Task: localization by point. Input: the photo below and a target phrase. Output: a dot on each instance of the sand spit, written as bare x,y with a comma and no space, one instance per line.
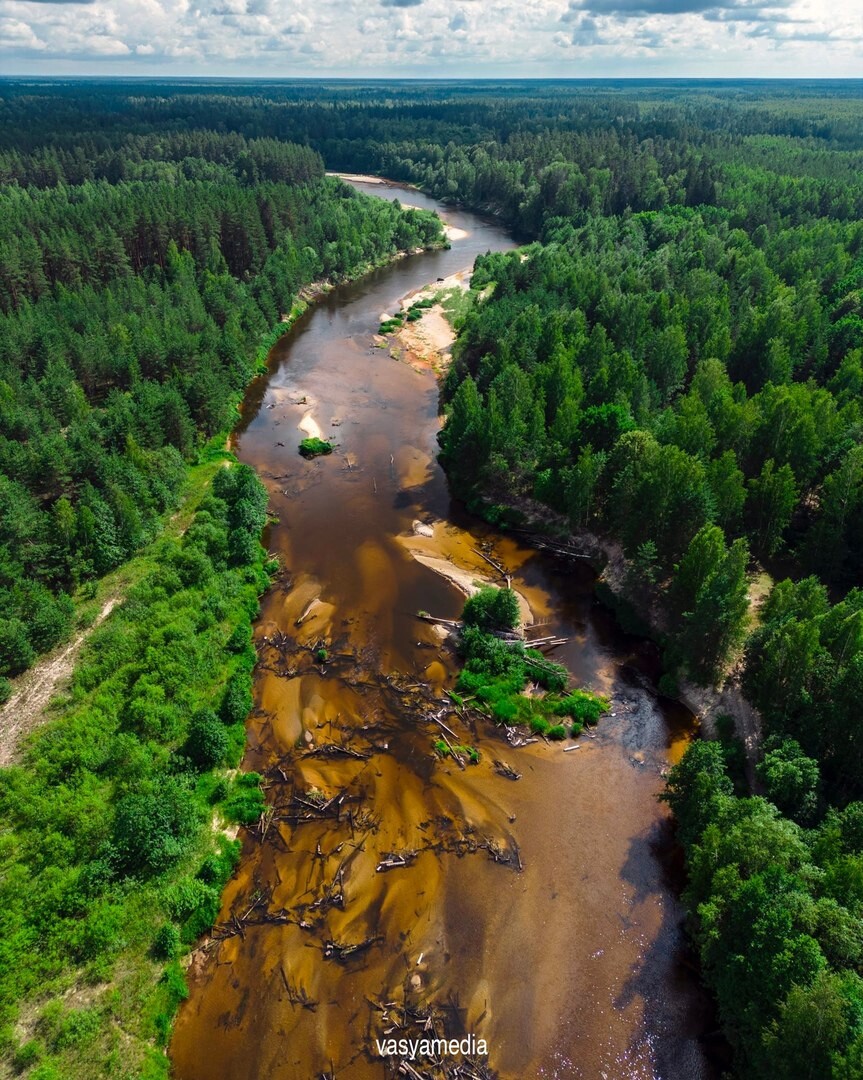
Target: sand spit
444,550
428,342
360,178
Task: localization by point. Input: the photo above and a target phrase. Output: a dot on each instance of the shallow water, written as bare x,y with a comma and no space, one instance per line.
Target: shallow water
573,965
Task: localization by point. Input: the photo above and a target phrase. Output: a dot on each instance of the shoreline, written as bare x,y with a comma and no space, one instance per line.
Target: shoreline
364,178
427,343
308,705
33,689
432,351
451,232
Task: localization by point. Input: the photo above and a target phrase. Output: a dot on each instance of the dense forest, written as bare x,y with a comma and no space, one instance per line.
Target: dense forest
130,315
137,301
673,362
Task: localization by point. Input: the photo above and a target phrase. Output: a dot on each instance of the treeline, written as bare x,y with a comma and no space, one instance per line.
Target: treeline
676,362
77,156
525,151
775,882
130,316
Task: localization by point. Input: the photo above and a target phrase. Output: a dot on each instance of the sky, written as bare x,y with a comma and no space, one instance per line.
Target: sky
434,38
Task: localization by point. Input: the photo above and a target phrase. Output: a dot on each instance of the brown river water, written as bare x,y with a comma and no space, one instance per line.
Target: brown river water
565,952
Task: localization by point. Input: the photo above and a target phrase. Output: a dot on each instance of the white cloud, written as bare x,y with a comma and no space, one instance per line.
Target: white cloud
16,34
435,37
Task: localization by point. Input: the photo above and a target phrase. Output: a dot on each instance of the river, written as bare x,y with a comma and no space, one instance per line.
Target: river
574,965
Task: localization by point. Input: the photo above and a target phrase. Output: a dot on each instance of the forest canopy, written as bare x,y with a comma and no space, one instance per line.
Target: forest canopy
133,302
683,332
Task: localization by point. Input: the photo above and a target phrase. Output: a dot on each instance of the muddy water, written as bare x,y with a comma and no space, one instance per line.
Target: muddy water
536,914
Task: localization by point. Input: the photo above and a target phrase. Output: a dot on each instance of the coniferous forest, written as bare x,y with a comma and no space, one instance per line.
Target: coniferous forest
673,362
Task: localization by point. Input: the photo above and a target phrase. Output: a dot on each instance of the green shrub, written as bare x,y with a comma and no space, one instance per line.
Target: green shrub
5,690
246,803
166,943
237,700
153,828
100,934
186,897
174,981
485,652
46,1071
27,1055
505,711
240,638
217,868
207,743
220,790
556,731
395,322
492,609
16,652
76,1028
551,676
583,706
470,752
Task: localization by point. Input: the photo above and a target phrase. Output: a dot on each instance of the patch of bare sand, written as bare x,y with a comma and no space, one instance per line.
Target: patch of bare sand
309,425
360,178
25,709
465,581
449,553
709,703
428,341
459,280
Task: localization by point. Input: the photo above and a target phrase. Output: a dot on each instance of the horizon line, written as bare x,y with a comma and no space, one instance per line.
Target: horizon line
587,79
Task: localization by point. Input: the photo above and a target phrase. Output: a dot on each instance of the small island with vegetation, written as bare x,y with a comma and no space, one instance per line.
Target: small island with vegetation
500,667
312,448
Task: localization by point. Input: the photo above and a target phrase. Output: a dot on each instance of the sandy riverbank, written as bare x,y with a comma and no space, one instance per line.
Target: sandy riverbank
427,343
451,232
361,178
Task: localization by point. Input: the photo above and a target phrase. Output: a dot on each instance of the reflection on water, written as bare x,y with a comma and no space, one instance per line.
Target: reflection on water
536,914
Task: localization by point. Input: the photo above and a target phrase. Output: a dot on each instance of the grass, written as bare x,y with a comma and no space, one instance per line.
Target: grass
276,333
314,447
410,314
91,946
456,303
464,751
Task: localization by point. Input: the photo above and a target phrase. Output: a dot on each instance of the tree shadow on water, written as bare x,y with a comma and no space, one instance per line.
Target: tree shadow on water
680,1024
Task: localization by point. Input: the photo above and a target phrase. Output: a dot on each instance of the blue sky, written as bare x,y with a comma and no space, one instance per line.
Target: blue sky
434,38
